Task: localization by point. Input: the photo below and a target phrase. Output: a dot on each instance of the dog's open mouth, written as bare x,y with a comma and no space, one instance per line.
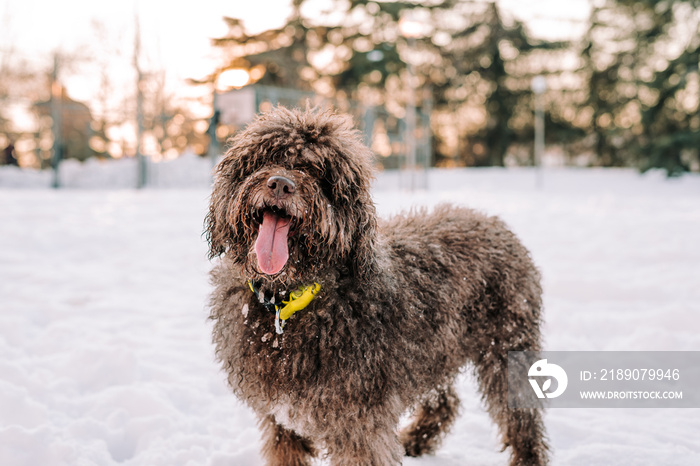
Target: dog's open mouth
271,245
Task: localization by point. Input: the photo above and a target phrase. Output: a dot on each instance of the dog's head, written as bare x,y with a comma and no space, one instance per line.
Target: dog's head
291,198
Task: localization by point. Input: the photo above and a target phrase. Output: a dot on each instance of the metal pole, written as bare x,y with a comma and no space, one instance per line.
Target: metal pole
427,134
539,86
56,95
411,123
213,151
539,136
141,160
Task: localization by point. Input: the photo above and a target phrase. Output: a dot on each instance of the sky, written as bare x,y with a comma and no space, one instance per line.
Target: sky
176,36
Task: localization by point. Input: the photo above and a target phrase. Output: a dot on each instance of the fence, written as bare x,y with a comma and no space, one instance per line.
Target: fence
391,138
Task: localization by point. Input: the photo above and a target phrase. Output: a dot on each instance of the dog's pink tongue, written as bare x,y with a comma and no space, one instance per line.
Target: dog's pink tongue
271,245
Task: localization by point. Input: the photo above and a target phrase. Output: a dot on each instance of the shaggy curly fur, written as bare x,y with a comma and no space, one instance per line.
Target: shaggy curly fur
405,304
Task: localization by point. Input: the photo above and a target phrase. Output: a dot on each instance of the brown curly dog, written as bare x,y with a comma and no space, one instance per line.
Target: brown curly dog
403,306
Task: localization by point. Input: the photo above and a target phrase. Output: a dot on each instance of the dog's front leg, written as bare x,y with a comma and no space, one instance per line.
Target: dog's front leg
283,447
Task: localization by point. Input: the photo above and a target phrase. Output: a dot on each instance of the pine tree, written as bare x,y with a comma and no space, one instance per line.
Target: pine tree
643,79
467,57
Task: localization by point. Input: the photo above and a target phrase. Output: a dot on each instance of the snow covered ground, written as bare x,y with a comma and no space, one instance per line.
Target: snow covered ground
105,354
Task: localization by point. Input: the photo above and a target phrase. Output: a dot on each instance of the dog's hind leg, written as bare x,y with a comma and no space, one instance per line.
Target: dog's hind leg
432,420
282,447
521,429
370,439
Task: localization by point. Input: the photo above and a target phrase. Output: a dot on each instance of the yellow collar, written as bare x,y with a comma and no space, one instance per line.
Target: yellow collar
297,301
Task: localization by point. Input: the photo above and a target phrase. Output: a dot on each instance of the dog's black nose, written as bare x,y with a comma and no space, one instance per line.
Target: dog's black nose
281,186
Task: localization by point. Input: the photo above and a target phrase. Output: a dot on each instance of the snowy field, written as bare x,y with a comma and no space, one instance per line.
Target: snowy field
105,353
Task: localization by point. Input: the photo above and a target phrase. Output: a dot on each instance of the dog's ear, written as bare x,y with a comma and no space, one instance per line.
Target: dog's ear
215,224
352,185
363,255
217,227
